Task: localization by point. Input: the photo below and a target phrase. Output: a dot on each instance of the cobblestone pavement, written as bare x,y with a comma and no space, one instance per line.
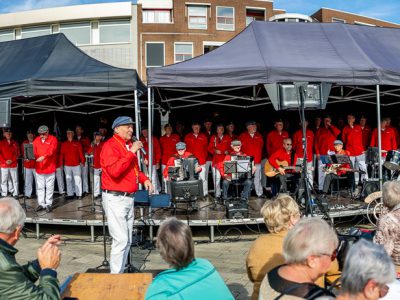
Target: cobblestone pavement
79,255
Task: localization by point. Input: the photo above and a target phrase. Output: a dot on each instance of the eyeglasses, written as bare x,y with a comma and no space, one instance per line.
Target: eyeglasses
383,290
333,255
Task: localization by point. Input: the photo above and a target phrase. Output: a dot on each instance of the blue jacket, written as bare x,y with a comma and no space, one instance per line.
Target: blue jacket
198,281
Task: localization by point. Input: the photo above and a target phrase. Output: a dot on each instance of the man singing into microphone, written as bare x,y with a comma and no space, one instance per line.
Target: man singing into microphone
120,180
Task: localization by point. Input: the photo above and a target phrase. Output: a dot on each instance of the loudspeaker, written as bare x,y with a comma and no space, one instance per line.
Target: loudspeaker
5,112
370,186
237,210
285,95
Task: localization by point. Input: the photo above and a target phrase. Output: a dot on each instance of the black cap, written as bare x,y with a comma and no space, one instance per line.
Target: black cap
250,122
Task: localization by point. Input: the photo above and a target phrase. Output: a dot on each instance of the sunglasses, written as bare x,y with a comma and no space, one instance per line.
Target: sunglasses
288,144
332,256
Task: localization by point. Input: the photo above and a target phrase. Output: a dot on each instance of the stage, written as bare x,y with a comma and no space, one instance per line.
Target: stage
82,213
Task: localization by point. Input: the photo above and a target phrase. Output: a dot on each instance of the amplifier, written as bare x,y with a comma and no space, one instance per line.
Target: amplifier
237,210
370,186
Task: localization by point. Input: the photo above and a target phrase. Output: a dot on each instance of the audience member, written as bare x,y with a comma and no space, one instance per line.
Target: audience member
189,277
309,249
16,281
367,272
266,252
388,227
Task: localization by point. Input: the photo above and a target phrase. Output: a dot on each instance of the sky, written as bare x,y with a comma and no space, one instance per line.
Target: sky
381,9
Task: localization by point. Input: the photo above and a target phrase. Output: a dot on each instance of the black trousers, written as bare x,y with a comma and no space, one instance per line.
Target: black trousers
283,179
329,177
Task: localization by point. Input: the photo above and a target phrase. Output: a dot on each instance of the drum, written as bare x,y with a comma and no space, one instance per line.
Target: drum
392,160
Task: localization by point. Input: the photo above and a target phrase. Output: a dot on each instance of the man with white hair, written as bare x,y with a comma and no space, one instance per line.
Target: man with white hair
367,272
16,281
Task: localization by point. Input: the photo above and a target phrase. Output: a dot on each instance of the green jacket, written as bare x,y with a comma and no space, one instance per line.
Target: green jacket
17,282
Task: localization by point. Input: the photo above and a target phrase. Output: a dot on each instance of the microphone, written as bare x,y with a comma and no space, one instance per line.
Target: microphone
141,149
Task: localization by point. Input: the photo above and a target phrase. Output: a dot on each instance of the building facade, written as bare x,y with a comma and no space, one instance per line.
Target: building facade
107,31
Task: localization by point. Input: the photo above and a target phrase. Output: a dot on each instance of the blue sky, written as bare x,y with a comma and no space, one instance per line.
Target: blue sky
381,9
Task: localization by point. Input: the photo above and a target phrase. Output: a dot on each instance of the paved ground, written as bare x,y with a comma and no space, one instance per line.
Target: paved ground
79,255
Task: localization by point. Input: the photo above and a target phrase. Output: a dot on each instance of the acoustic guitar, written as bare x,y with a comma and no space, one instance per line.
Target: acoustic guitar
271,171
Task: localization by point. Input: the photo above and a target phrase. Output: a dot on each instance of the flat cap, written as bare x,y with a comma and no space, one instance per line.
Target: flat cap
7,130
236,143
96,133
43,129
338,142
180,146
251,122
123,120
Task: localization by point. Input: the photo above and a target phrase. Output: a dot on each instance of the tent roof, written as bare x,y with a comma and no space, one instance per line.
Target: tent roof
52,65
269,52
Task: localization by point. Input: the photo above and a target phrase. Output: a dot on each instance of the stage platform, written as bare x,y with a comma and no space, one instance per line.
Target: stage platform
82,213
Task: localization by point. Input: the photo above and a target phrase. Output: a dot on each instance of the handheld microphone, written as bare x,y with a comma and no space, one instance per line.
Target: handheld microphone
141,149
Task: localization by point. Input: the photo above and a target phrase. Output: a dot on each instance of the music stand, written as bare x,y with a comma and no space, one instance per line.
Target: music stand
28,155
235,169
340,159
90,162
326,159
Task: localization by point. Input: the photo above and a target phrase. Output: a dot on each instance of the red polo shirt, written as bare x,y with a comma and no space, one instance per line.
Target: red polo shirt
298,143
71,154
29,164
388,139
120,168
324,139
9,150
85,141
222,144
197,146
283,155
156,149
252,146
275,141
95,149
168,146
48,149
353,139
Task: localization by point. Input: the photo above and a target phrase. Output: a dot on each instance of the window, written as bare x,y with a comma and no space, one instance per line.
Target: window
183,51
225,18
115,31
155,54
253,14
6,35
197,17
210,46
336,20
77,33
157,16
29,32
362,23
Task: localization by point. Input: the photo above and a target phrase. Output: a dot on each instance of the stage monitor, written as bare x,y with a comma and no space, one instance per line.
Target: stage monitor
285,95
186,189
5,112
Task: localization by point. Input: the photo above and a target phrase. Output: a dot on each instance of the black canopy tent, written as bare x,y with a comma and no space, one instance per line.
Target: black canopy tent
351,57
49,73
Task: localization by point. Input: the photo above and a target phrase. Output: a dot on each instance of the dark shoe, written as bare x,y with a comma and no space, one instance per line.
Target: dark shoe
39,208
263,196
28,197
49,208
16,197
70,197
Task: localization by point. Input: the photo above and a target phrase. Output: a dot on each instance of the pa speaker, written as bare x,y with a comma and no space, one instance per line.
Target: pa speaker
286,95
5,112
370,186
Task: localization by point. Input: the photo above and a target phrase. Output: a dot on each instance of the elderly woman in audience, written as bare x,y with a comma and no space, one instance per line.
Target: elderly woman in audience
367,272
266,252
309,249
388,227
189,277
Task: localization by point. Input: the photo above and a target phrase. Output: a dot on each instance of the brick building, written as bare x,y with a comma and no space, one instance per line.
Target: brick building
171,31
328,15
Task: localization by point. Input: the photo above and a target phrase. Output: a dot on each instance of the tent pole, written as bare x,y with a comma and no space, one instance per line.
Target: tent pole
150,133
137,134
378,111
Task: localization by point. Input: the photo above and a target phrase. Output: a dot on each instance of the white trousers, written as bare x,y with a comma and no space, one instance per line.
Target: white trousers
207,170
154,180
85,184
321,175
217,182
60,180
310,173
30,178
97,183
6,174
73,179
359,163
202,176
120,213
45,188
257,180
